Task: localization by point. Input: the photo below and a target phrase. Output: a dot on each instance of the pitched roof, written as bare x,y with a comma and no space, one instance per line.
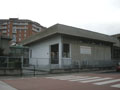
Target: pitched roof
68,30
116,35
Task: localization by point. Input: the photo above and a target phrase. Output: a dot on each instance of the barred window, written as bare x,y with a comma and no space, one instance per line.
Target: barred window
66,50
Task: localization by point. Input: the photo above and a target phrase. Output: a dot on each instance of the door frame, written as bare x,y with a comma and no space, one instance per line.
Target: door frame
50,58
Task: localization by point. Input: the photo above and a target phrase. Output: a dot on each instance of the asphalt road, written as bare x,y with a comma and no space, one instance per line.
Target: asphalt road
76,81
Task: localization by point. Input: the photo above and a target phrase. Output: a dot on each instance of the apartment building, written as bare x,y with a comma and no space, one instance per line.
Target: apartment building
19,29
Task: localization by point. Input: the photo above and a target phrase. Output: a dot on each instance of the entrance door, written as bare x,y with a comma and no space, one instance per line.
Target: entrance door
55,54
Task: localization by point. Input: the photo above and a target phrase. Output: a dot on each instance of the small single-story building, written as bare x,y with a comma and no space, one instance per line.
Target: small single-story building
62,46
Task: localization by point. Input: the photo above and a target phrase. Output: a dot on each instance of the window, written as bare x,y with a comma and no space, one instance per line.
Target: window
55,54
8,34
19,39
30,53
14,30
19,35
66,50
14,37
25,35
25,31
116,53
4,31
8,30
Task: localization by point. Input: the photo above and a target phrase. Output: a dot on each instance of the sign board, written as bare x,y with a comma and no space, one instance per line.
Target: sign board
85,50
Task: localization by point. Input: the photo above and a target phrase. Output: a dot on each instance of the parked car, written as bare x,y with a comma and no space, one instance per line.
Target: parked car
118,67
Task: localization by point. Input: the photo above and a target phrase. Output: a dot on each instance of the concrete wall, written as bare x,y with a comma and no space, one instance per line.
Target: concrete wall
98,52
41,50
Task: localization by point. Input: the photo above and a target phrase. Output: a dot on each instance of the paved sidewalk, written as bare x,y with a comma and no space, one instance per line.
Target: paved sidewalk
4,86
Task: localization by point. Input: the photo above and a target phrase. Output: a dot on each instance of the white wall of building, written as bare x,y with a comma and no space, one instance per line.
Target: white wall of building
41,50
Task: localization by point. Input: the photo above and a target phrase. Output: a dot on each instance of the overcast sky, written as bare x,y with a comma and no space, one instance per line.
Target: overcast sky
97,15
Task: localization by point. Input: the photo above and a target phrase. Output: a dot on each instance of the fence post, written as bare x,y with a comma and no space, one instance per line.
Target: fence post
21,67
34,70
5,70
49,66
21,72
21,61
7,59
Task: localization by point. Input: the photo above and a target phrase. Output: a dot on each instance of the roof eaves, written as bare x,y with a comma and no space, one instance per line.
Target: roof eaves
48,32
85,33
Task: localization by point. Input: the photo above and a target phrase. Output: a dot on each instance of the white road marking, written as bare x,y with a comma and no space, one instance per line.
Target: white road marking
72,78
57,77
116,86
84,79
67,77
107,82
100,79
88,79
64,78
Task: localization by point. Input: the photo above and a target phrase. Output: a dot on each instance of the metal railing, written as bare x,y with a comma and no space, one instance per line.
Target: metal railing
17,66
13,62
40,63
36,66
70,63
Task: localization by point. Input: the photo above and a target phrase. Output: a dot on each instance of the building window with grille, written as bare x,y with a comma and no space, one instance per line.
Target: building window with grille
8,34
19,39
14,37
25,31
66,50
8,30
25,35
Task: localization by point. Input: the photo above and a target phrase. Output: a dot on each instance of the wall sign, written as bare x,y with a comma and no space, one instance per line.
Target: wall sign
85,50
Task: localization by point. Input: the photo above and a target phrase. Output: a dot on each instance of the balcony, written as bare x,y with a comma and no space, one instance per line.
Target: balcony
14,31
24,28
5,23
21,24
4,31
3,27
35,26
34,29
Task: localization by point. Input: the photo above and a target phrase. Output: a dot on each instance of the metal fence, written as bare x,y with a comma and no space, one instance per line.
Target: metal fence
13,62
10,62
68,63
40,63
87,64
25,71
92,64
37,66
22,66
